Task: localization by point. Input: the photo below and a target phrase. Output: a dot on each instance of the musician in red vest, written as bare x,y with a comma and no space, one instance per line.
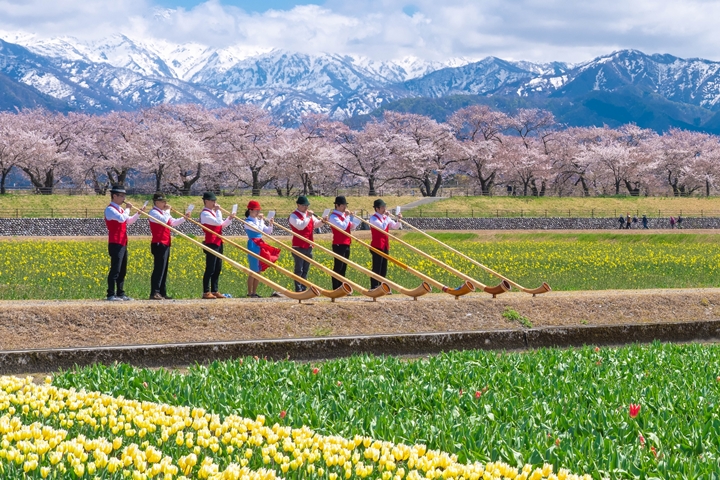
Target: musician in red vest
380,240
160,244
342,219
212,218
303,222
117,219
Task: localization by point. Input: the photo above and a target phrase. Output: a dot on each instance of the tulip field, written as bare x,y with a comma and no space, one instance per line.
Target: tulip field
633,412
72,269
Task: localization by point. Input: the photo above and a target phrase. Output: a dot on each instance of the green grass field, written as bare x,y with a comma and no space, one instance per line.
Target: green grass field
13,205
567,407
72,269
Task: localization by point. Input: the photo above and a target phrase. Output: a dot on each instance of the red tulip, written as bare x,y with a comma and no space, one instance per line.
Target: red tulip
282,414
642,441
461,392
557,442
145,384
597,349
339,383
634,410
315,371
478,394
654,452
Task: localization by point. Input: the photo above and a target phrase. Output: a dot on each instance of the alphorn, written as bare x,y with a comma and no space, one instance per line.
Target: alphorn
503,287
342,291
534,291
311,292
463,289
417,292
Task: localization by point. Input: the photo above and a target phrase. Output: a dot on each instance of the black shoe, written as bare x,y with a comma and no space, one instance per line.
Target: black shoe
276,295
167,297
156,296
124,298
113,298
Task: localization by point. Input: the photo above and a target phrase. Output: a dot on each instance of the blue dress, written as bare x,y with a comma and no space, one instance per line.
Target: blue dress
254,263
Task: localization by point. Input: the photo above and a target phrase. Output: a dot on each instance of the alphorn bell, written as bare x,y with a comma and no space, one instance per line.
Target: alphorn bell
417,292
332,294
311,292
503,287
341,291
534,291
463,289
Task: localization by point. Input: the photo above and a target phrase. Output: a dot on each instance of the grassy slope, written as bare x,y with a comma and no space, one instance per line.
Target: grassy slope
93,205
76,205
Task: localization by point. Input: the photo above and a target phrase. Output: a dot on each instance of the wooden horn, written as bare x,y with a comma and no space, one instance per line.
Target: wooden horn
342,291
494,291
375,293
311,292
534,291
464,289
421,290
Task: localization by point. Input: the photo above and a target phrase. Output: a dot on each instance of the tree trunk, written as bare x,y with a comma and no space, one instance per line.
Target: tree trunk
3,177
158,177
44,187
707,188
634,191
371,187
189,182
436,187
486,184
117,177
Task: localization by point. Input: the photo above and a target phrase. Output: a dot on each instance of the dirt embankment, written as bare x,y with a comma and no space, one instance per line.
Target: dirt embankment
57,324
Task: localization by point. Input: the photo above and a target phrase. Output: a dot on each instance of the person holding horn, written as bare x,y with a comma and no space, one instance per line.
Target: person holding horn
117,219
381,240
212,218
303,222
160,244
344,220
255,244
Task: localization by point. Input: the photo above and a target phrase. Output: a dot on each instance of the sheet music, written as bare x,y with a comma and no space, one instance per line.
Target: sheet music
326,212
271,214
190,208
234,209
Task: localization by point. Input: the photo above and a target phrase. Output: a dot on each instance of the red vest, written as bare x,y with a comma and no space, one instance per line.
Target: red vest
380,240
306,232
212,238
339,238
160,233
117,232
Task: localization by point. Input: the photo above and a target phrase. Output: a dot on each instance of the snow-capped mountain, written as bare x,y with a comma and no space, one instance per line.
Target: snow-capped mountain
124,73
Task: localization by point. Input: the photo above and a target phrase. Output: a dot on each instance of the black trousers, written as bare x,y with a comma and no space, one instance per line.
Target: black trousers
158,279
339,266
379,266
213,267
118,269
302,267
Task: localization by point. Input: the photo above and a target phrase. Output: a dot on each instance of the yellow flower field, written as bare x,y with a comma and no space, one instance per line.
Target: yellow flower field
49,432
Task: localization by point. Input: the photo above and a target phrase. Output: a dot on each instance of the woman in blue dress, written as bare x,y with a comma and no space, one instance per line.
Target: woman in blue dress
255,243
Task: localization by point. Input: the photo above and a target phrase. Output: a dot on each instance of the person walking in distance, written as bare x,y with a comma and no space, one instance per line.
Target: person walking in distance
645,222
342,219
381,240
628,221
211,217
117,219
256,245
303,223
160,218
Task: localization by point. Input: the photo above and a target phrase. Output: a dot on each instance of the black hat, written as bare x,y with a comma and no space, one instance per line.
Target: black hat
117,189
159,197
340,200
209,196
378,203
302,200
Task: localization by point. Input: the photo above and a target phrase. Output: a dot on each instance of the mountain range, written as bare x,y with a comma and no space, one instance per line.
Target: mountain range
119,73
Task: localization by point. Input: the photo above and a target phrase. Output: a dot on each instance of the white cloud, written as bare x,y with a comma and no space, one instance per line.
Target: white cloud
536,30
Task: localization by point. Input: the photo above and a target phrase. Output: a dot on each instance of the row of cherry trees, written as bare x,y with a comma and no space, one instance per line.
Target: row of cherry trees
186,147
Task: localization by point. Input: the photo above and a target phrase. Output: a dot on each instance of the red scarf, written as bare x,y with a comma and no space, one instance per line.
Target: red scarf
267,252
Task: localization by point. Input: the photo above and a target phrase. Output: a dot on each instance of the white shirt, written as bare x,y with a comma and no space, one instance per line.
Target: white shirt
259,225
335,219
383,221
301,224
164,217
118,214
210,217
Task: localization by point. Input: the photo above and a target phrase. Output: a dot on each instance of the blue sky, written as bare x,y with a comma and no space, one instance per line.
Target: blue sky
439,30
247,5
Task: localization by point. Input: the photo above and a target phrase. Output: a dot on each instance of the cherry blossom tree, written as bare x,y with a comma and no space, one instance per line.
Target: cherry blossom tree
480,128
426,151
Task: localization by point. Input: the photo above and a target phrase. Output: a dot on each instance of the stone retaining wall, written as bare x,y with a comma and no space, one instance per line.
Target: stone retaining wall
73,227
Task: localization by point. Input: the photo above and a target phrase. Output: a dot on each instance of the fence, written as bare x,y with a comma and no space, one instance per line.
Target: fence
422,212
